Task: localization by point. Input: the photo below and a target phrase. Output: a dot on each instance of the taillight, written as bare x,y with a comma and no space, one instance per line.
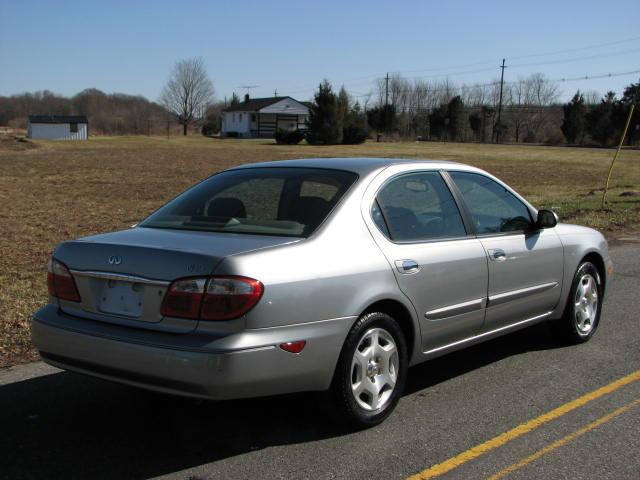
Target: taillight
215,298
60,282
230,297
184,297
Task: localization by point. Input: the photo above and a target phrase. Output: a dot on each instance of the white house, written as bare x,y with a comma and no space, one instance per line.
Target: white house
261,117
58,127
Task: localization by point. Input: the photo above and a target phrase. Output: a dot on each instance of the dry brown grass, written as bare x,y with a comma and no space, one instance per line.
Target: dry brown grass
63,190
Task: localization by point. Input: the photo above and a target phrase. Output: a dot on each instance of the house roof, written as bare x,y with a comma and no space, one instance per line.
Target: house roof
57,119
257,104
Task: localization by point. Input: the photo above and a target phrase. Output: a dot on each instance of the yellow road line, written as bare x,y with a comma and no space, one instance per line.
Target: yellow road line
563,441
520,430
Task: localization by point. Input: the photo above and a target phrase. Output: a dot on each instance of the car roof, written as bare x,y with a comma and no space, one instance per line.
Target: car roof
359,165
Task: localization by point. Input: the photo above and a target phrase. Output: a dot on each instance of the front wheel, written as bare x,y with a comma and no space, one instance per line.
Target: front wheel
372,370
584,305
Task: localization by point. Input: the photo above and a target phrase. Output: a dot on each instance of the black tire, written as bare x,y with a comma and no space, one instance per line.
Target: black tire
568,326
345,399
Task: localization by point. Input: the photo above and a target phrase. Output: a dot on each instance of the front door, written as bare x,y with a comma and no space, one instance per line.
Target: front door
525,264
438,266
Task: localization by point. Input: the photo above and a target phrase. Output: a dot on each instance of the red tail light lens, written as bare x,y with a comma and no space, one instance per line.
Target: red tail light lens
215,298
230,297
184,298
60,282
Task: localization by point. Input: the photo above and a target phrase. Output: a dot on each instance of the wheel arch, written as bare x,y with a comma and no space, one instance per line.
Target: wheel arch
595,258
402,315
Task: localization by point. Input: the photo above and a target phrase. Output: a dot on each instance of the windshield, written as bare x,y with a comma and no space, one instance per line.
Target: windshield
282,201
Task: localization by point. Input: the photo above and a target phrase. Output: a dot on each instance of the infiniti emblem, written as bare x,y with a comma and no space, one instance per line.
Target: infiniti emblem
115,260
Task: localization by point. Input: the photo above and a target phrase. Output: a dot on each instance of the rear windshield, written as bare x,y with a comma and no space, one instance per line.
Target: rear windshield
278,201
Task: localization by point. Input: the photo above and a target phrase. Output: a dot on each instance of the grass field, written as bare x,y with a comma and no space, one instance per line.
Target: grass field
52,191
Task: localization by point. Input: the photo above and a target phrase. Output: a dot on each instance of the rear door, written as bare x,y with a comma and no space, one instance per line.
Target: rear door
525,265
417,224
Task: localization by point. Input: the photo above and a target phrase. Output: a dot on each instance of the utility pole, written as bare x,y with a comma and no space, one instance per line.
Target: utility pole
499,133
386,104
275,92
386,90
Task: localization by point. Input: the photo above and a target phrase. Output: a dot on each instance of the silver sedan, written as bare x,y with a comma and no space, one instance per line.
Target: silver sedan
317,274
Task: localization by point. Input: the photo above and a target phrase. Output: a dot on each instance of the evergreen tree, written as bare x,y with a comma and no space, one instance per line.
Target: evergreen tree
438,123
455,115
355,126
475,122
621,113
343,104
325,126
600,122
235,100
573,124
382,118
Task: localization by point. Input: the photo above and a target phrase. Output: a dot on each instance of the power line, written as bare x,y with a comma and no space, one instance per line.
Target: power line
589,47
452,72
578,59
515,82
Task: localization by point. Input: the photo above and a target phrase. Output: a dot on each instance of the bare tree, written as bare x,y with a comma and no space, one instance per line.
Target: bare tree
188,91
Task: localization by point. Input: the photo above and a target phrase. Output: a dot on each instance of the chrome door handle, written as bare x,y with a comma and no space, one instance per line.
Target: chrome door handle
407,266
497,254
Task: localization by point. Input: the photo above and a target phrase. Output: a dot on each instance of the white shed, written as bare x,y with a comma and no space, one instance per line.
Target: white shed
58,127
261,117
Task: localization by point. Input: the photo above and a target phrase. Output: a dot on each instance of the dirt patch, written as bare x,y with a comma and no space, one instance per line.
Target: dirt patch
13,143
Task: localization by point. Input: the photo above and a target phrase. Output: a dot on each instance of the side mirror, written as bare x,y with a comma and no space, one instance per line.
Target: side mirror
546,219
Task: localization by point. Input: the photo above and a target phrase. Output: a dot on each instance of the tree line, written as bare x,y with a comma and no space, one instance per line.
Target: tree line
603,122
108,114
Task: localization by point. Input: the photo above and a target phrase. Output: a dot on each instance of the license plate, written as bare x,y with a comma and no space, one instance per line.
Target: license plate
121,298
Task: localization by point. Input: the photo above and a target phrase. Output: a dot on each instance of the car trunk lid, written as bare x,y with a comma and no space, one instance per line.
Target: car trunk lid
122,276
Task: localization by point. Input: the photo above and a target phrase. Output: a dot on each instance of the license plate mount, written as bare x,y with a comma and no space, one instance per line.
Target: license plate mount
121,298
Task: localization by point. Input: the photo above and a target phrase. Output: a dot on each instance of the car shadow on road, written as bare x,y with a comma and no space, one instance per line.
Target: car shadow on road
70,426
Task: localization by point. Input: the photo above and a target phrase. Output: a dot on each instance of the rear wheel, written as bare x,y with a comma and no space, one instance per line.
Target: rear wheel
584,305
372,370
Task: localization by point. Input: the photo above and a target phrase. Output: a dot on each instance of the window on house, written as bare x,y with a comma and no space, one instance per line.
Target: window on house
253,117
73,127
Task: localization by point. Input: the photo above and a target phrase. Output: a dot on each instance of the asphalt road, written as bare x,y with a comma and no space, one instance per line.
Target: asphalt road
61,425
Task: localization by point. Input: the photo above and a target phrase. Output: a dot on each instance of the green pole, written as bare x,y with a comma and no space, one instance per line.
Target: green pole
615,156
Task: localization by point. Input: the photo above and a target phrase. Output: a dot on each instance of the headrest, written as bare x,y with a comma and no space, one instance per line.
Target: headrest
226,208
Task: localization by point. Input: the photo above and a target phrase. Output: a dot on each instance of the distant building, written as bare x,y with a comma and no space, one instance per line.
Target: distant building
58,127
261,117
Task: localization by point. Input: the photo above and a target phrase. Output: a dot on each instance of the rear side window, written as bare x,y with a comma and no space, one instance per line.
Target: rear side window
494,209
262,201
417,206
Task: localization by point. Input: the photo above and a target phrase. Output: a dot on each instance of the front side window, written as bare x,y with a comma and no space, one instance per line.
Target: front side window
262,201
73,127
417,206
493,208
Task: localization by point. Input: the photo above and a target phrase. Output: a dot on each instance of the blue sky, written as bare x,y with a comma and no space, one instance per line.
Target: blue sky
130,46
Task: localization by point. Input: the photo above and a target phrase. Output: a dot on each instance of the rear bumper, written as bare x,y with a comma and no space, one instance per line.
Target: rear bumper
204,367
